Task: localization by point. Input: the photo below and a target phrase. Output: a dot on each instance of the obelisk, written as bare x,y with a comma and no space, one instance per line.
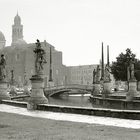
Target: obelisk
50,82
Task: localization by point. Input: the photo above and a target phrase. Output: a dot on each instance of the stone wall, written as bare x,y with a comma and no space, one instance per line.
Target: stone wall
115,103
116,113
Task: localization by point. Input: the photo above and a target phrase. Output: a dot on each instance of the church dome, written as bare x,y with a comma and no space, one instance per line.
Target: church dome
2,38
17,20
20,42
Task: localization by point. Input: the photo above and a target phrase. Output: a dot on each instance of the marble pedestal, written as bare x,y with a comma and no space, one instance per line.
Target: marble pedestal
4,95
37,94
106,88
132,92
96,90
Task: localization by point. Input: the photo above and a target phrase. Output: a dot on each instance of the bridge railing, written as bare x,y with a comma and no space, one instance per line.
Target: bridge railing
71,86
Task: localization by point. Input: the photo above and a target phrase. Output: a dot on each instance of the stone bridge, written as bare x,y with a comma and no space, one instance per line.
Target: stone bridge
58,90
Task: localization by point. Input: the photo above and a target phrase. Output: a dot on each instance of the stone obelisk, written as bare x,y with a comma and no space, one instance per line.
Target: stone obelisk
102,64
3,83
50,82
37,81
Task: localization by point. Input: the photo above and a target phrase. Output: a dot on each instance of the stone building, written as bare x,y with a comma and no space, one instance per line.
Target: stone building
82,75
20,57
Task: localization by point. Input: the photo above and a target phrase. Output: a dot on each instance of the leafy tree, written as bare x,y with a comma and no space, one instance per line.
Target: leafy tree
119,68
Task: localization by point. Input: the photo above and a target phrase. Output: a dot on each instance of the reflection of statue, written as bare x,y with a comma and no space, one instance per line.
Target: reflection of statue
131,70
94,76
98,74
2,67
40,60
107,73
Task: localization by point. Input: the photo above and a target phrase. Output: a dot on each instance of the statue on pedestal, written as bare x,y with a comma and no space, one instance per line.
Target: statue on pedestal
98,75
94,76
2,67
40,60
37,81
130,70
107,73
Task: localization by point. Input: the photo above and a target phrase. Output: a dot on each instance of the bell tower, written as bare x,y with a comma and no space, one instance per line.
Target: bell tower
17,29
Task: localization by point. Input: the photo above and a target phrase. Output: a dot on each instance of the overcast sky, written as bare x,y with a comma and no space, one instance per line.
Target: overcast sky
77,27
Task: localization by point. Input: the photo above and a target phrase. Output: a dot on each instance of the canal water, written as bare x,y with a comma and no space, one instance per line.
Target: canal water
71,100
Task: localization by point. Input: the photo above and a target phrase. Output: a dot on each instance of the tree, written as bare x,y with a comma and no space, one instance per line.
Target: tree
119,68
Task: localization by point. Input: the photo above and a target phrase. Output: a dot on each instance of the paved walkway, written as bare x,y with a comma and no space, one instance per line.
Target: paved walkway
134,124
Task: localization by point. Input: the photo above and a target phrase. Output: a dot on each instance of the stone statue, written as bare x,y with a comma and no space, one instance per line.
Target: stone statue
2,67
40,60
94,76
107,73
130,70
98,74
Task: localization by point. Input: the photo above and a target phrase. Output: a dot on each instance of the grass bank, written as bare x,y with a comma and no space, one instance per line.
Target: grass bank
19,127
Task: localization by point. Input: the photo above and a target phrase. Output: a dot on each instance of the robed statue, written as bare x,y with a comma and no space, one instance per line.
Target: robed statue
98,75
2,67
94,76
130,70
39,57
107,73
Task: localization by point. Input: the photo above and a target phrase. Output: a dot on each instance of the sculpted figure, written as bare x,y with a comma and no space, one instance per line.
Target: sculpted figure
94,76
98,74
40,60
131,70
107,73
2,67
